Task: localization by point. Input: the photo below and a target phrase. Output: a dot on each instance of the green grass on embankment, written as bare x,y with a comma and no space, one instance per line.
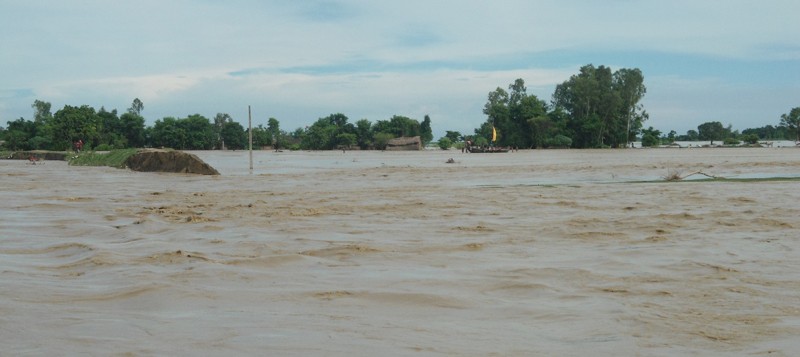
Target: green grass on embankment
114,158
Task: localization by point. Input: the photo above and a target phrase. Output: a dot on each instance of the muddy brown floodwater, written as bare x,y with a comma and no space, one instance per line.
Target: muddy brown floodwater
562,252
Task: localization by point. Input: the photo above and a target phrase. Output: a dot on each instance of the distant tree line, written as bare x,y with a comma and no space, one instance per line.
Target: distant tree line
106,130
714,131
594,108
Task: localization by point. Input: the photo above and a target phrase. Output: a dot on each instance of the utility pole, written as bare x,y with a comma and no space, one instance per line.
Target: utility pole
250,136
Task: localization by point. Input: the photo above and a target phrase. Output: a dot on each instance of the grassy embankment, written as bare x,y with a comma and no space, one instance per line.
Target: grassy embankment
114,158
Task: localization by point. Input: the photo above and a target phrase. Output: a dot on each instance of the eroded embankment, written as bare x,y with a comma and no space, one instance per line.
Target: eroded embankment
38,155
153,160
146,160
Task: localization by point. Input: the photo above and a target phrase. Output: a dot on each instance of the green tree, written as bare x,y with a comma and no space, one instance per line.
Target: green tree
629,83
339,120
192,133
136,107
483,134
650,137
19,135
346,140
671,136
42,118
382,139
769,132
559,141
711,131
791,122
274,132
234,136
519,119
168,133
403,126
750,138
691,135
498,114
132,128
445,143
603,107
71,124
426,133
220,121
364,133
199,133
261,137
454,136
324,133
110,130
41,111
382,126
521,108
320,136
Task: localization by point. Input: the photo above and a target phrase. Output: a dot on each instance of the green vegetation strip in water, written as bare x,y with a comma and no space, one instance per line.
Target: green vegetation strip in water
722,179
114,158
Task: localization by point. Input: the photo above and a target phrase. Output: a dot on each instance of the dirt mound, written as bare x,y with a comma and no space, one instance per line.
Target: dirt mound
169,161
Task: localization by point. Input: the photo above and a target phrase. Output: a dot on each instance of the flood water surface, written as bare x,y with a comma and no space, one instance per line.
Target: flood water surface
562,252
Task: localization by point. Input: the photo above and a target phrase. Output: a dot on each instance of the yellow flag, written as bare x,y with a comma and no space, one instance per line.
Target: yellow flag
494,134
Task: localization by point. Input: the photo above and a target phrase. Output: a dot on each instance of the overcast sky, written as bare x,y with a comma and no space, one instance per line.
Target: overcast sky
733,61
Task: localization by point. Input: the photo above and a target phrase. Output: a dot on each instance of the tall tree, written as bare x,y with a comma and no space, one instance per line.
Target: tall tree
516,130
132,128
534,124
454,136
274,131
426,133
497,114
791,121
168,133
41,111
518,118
711,131
364,133
220,120
21,135
199,132
111,129
136,107
234,135
603,107
261,137
629,83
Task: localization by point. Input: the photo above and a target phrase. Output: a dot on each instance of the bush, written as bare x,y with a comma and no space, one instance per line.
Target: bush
731,141
381,140
445,143
750,138
650,140
104,147
559,141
